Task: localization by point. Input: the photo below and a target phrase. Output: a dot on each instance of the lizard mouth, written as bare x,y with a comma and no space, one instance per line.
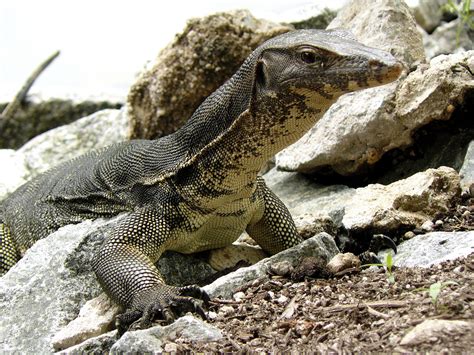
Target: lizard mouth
374,73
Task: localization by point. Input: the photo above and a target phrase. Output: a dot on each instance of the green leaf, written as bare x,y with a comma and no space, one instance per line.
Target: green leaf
434,291
389,262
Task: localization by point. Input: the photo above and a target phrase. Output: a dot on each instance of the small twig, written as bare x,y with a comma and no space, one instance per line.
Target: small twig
13,106
219,301
377,313
374,304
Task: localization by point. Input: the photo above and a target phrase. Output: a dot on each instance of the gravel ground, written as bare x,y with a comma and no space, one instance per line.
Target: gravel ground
357,312
360,311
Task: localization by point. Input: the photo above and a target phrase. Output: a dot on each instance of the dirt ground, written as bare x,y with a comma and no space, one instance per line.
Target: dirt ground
361,312
358,312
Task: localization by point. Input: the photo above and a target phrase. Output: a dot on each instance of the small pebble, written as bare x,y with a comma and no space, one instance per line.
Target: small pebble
171,348
329,326
212,315
439,223
427,226
239,296
466,214
270,295
459,269
226,310
408,235
282,299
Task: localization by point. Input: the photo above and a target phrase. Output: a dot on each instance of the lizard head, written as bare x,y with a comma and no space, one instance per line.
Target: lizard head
300,74
321,65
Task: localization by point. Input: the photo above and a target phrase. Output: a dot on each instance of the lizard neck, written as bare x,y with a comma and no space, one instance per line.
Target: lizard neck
228,167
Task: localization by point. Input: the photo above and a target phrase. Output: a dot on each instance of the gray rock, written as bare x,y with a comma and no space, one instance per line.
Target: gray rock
384,24
67,142
153,340
98,345
96,317
467,169
181,270
444,40
303,196
47,287
405,203
14,171
196,63
360,127
321,245
427,13
59,145
429,249
432,330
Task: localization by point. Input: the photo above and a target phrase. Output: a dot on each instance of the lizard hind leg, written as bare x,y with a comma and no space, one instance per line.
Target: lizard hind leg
9,254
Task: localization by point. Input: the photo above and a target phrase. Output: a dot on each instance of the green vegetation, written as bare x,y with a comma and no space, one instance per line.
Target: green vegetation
435,289
463,10
387,265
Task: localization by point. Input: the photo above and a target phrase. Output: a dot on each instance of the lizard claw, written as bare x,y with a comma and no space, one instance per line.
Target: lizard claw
165,304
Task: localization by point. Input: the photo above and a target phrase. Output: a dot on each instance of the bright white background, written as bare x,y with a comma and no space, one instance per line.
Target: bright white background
105,43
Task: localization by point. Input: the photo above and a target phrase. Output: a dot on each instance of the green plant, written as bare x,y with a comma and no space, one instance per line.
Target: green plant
463,10
435,289
387,265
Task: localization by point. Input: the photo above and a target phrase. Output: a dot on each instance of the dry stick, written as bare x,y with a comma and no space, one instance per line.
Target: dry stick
373,304
13,106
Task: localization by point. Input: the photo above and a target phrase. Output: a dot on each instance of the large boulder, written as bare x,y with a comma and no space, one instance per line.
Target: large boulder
59,145
200,59
426,250
355,131
428,13
46,289
447,38
404,204
48,286
361,127
384,24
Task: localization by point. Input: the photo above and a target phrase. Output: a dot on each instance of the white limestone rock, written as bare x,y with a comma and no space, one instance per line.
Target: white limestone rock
14,171
431,330
360,127
70,141
444,40
321,245
48,286
426,250
96,317
153,340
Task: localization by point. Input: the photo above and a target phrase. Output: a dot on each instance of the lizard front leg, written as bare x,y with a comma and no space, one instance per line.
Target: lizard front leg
125,269
273,228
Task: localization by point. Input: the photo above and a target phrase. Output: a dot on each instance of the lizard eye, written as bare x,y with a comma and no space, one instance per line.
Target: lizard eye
308,57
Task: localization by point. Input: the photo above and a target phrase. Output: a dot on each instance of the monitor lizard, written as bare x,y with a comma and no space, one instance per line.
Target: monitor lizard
198,188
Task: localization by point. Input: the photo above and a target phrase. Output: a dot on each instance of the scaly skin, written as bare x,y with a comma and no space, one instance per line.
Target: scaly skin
198,188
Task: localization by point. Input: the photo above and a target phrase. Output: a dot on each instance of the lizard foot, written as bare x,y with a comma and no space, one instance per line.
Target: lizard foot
163,302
